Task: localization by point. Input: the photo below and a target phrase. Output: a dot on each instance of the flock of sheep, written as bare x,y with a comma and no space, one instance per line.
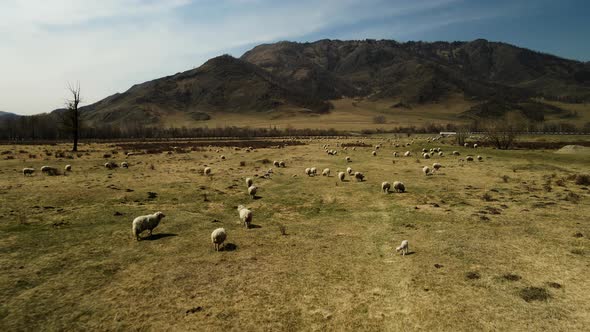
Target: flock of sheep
219,235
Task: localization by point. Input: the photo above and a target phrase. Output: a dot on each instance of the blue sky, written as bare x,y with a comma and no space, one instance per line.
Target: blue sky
109,45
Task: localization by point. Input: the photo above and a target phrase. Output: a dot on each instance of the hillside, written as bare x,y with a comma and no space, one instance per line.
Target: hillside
288,79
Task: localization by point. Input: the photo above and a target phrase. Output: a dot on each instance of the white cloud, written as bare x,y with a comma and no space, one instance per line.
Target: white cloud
110,45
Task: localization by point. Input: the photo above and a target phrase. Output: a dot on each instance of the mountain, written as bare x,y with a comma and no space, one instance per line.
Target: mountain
7,115
287,76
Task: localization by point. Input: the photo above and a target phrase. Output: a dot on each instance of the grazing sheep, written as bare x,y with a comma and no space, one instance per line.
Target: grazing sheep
349,170
49,170
466,144
276,163
424,151
124,164
426,155
326,172
385,187
407,154
28,171
426,170
314,171
456,153
395,154
222,157
469,158
441,154
68,168
480,158
374,153
341,175
308,171
348,159
252,191
436,166
404,247
475,146
249,182
359,176
281,164
207,171
245,215
399,186
354,148
218,237
148,222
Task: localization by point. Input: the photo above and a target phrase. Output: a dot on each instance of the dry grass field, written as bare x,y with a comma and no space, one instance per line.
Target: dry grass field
497,245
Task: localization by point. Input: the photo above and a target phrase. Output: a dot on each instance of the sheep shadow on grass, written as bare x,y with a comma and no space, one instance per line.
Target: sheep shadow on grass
158,236
229,247
254,226
256,197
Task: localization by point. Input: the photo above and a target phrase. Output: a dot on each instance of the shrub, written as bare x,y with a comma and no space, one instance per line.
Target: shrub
530,294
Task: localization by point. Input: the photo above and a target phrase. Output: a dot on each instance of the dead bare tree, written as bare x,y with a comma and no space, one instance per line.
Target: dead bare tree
71,116
502,133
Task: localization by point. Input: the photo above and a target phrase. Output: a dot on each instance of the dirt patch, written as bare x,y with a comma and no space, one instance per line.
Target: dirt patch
574,149
530,294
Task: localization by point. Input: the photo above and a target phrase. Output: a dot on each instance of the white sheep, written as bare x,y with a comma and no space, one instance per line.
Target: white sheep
441,154
456,153
314,171
465,144
426,170
326,172
49,170
276,163
426,155
348,159
222,157
68,168
207,171
245,215
475,146
395,154
341,175
399,186
404,247
374,153
407,154
249,182
385,187
28,171
436,166
480,158
349,170
308,171
218,237
252,191
469,158
124,164
281,163
359,176
148,222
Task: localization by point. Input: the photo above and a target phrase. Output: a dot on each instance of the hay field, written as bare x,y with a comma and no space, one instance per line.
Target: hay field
502,244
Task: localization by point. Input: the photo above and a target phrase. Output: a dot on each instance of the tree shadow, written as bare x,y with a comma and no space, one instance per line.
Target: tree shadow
229,247
158,236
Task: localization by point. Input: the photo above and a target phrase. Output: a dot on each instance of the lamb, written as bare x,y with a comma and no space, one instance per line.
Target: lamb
245,215
252,191
404,247
148,222
28,171
436,166
124,164
207,171
399,186
218,237
68,168
341,176
407,154
349,170
359,176
426,170
374,153
385,187
326,172
249,182
281,163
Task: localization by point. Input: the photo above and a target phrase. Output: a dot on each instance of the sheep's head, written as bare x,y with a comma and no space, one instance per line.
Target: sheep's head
240,207
159,215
